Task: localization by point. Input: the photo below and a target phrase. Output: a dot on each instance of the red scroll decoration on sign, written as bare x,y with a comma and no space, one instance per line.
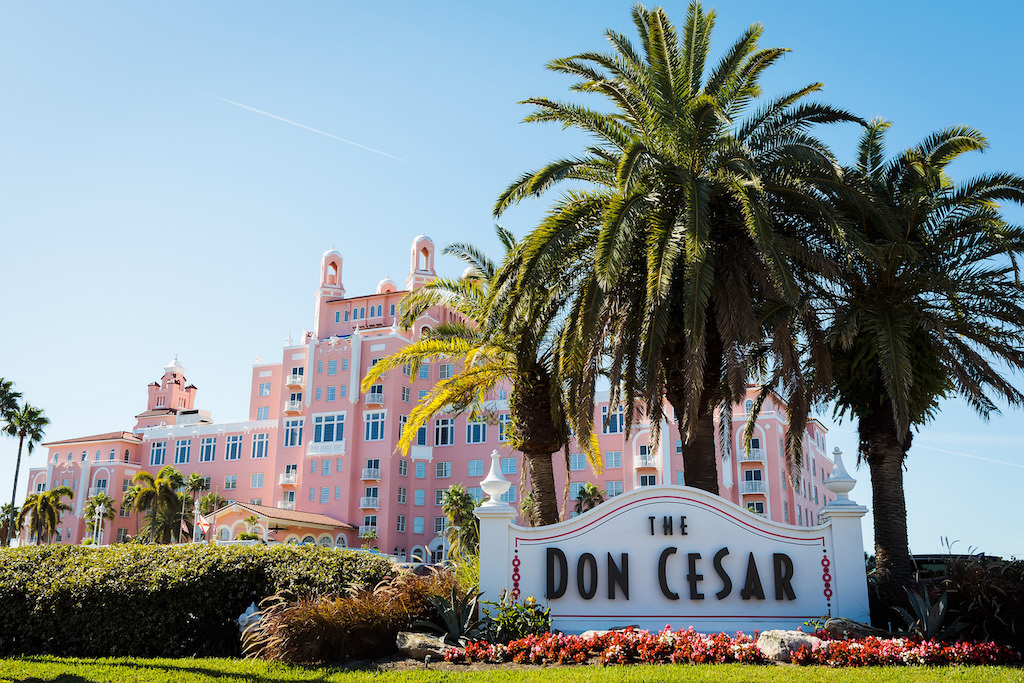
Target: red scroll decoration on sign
826,579
515,575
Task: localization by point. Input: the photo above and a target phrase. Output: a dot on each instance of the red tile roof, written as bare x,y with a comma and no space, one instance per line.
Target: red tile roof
292,516
109,436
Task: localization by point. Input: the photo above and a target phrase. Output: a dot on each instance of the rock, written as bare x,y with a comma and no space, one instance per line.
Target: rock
845,629
596,632
420,645
779,645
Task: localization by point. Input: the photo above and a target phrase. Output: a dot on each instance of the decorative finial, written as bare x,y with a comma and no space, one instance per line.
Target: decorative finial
495,485
840,483
259,357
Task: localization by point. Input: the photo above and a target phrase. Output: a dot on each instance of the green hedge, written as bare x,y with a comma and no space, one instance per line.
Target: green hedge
156,601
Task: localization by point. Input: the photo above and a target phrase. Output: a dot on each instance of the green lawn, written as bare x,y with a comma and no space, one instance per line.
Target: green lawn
224,670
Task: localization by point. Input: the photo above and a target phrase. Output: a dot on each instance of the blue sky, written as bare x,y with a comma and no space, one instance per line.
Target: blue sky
143,215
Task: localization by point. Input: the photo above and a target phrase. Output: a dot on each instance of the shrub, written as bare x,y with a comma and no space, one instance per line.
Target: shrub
988,594
141,600
509,620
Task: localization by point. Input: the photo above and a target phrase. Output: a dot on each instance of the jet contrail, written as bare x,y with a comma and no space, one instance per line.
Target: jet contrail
973,457
309,128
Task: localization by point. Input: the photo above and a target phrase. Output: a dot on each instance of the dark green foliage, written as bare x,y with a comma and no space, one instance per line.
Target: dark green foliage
512,620
456,615
988,594
156,601
926,619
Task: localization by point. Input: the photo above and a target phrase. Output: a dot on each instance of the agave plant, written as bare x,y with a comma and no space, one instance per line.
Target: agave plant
457,615
928,619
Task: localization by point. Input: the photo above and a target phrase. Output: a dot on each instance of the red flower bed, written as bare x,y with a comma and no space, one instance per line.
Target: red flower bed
677,647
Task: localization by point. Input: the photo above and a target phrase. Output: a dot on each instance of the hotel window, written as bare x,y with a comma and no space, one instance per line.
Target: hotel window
344,390
328,428
417,525
207,482
125,511
402,494
400,523
231,481
344,364
444,431
320,364
442,470
438,496
101,484
611,423
509,496
475,468
402,421
157,453
403,467
257,480
264,389
679,445
392,309
332,367
782,479
785,511
337,316
374,426
325,494
508,466
424,371
574,490
421,470
233,447
504,426
476,432
444,370
256,501
259,445
406,394
337,465
207,449
312,466
648,480
419,497
613,459
331,392
326,468
346,316
747,406
440,523
292,433
421,436
263,413
613,488
126,484
337,493
756,507
799,515
182,449
422,394
476,493
577,462
407,370
312,493
113,454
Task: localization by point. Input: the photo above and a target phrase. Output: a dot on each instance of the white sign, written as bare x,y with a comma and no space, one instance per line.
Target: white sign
678,556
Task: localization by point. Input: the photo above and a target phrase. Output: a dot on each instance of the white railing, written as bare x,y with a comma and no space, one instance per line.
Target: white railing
97,489
375,397
755,454
371,473
292,406
326,447
369,503
296,380
286,505
649,460
753,486
288,479
367,530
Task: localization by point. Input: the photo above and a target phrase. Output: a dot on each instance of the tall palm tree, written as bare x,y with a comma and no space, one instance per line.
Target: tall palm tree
193,484
42,511
8,399
930,305
686,226
92,504
458,506
521,353
588,498
27,423
8,524
128,503
157,493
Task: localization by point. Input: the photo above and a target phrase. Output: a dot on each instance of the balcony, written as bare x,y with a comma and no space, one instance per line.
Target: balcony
97,489
292,407
375,398
326,447
371,473
755,455
286,505
296,380
288,479
369,503
364,530
649,460
753,486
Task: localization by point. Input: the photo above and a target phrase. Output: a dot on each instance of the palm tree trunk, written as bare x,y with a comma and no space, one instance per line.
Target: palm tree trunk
17,470
885,455
700,455
537,438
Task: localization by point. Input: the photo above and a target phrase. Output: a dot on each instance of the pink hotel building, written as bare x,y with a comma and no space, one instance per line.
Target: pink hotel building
315,461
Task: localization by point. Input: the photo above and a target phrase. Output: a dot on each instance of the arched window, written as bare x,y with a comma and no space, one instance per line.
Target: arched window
308,540
113,454
748,405
341,541
332,274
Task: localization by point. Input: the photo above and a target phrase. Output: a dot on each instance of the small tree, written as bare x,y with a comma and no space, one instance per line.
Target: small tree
588,498
458,506
8,524
89,512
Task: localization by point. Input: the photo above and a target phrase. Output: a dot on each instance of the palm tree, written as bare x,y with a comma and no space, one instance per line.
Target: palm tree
929,306
128,503
520,353
27,424
166,526
8,524
210,502
195,483
89,511
458,506
588,498
689,228
158,493
8,399
43,512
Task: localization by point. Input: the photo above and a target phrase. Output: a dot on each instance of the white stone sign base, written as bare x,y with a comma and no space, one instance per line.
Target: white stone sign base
680,557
